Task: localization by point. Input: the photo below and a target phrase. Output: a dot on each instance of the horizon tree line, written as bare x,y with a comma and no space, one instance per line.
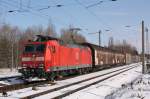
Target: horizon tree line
13,38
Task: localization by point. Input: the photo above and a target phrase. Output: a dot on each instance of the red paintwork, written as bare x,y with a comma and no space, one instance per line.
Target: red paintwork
60,55
32,63
66,56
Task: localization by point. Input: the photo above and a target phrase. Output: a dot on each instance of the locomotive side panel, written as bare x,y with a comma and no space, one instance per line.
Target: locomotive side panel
86,58
71,58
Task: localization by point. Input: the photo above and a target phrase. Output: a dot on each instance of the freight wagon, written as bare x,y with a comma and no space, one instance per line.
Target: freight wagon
103,57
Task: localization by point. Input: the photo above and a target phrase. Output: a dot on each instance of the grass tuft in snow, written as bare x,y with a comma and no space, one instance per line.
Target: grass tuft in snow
138,89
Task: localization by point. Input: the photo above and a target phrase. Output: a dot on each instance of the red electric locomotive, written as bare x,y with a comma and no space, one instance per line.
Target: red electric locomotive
48,57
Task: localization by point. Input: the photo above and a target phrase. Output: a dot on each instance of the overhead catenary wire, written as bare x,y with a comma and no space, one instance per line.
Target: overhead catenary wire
64,5
6,11
43,16
93,14
95,4
99,32
47,7
66,12
18,8
98,3
29,10
96,16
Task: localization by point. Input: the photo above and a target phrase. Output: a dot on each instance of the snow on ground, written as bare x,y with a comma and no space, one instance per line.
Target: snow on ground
8,73
82,77
67,89
4,73
11,81
105,89
28,91
139,89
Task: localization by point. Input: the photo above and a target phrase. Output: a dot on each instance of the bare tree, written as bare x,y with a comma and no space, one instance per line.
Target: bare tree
111,42
70,36
123,46
50,30
8,49
12,40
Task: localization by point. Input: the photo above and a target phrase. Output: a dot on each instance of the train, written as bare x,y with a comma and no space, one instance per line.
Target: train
47,57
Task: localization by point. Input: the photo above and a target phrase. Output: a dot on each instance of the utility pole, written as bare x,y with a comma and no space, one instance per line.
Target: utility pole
143,50
99,32
72,31
147,41
99,37
12,56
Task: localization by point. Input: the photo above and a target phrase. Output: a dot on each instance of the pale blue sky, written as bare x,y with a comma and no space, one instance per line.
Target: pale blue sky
111,15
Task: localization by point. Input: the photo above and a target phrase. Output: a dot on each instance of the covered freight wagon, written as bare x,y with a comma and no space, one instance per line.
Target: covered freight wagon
103,57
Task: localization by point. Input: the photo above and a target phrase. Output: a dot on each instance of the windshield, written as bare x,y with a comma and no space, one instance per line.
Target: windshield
34,48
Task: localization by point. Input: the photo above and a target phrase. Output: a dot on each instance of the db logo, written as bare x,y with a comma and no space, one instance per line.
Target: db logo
52,48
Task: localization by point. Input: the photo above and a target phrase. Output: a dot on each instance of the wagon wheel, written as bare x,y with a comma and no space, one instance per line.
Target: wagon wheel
80,71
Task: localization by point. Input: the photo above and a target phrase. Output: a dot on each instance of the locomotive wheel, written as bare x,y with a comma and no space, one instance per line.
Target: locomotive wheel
59,74
83,70
51,76
80,71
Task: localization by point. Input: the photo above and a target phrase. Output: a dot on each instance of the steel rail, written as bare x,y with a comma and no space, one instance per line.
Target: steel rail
68,85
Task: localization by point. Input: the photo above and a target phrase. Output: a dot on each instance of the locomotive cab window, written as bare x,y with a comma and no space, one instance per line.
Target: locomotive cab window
34,48
29,48
40,48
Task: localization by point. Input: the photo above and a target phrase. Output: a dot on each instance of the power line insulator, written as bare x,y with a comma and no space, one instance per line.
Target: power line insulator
59,5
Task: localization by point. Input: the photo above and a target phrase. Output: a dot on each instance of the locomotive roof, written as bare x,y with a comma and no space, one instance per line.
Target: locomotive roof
45,38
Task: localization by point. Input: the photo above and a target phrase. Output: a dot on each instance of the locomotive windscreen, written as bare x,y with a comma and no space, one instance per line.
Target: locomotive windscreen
34,48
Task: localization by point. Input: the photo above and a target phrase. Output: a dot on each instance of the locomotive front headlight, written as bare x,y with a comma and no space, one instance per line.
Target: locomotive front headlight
41,65
26,59
39,59
25,69
24,65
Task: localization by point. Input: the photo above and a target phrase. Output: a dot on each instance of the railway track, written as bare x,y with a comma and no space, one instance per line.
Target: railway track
10,80
5,78
69,88
6,88
88,85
